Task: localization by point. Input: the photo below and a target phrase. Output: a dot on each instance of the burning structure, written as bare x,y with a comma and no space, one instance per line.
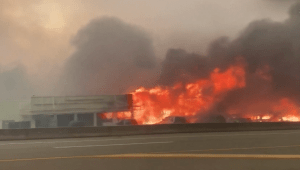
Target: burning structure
254,77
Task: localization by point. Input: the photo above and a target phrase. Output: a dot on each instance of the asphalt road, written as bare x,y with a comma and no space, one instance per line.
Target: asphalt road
225,151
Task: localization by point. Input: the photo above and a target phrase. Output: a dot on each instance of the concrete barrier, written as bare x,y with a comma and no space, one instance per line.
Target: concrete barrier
75,132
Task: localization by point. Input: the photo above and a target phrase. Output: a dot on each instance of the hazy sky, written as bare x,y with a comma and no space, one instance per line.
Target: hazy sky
37,33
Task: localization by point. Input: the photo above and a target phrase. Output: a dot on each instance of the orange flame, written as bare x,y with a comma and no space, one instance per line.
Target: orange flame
284,110
153,105
288,110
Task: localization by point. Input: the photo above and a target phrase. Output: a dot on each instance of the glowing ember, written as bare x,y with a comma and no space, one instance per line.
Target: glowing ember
290,119
266,117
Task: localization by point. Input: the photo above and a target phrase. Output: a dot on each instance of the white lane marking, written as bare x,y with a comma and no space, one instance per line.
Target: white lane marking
121,144
31,143
227,149
189,156
145,138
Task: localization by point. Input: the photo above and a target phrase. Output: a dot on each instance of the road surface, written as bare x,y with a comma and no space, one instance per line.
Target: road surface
225,151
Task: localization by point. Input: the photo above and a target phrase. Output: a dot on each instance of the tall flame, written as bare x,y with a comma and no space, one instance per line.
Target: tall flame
154,104
190,100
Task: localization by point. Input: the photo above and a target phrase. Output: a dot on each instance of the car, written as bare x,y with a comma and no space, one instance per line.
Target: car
173,120
77,124
128,122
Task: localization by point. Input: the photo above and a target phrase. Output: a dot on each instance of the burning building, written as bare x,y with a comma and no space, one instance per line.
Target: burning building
255,77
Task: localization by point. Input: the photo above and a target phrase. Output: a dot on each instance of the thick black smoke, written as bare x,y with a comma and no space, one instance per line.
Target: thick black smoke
272,47
111,57
182,66
266,43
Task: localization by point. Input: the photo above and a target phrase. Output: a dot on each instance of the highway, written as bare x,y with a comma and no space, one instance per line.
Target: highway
221,151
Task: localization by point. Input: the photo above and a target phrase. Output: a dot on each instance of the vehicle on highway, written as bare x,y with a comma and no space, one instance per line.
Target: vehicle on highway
173,120
77,124
116,122
215,119
239,120
128,122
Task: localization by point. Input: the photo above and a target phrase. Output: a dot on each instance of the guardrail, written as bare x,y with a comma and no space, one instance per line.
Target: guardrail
75,132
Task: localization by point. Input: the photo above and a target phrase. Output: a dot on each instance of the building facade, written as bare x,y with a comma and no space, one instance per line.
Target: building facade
63,111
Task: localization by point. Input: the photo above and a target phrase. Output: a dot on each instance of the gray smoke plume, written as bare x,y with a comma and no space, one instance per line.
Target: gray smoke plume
14,84
111,57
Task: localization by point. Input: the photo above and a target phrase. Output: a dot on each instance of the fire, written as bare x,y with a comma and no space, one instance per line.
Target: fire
189,100
119,115
155,104
266,117
283,110
288,110
290,119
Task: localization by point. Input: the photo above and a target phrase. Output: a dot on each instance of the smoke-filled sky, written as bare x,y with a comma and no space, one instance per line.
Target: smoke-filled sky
45,44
